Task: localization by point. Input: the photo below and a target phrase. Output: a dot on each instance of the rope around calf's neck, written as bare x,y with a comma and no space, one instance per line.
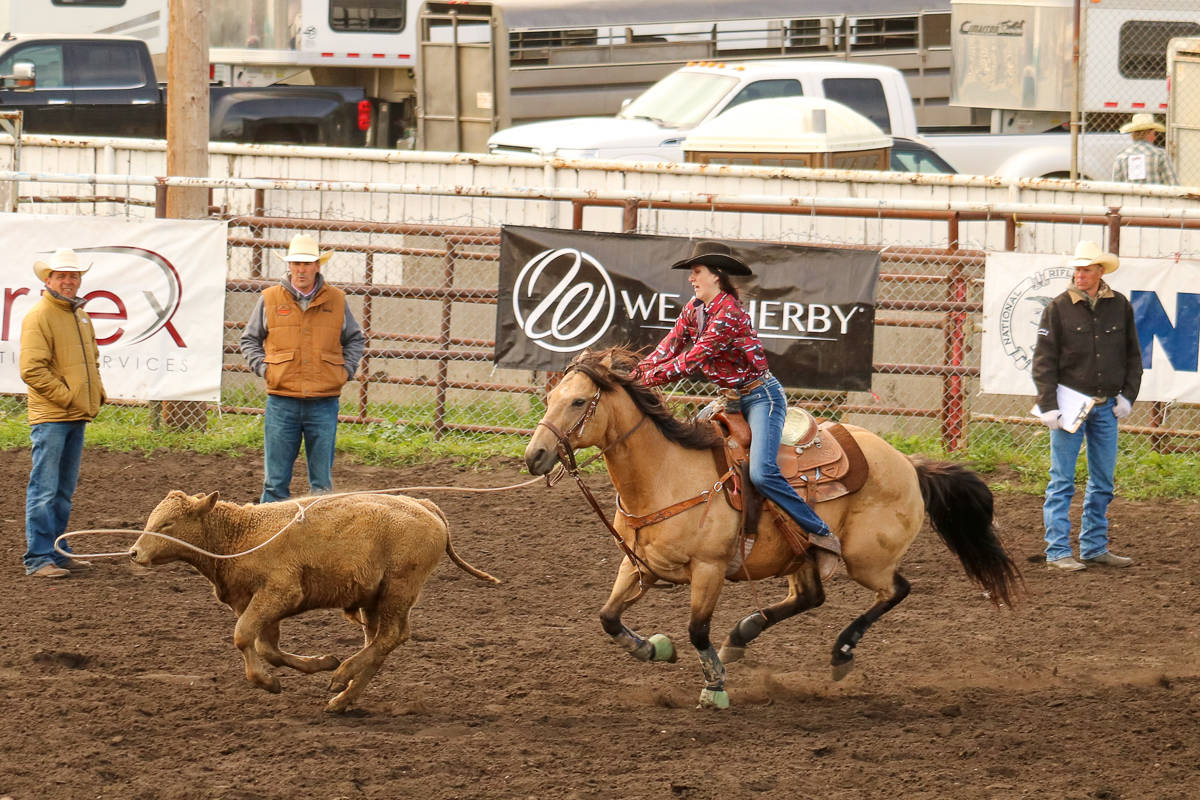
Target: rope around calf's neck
300,516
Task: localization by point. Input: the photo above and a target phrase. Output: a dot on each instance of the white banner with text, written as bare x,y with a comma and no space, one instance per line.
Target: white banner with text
155,292
1165,294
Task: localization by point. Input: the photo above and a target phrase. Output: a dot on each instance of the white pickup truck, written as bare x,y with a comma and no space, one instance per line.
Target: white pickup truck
653,126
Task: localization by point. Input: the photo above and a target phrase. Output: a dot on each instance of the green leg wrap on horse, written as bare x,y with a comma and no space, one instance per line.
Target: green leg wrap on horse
714,698
664,650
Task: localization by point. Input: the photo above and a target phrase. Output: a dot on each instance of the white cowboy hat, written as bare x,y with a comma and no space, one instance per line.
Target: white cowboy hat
304,248
1088,253
1142,122
63,260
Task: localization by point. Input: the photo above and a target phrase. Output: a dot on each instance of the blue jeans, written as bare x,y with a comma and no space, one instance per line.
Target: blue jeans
1100,431
57,451
765,410
287,421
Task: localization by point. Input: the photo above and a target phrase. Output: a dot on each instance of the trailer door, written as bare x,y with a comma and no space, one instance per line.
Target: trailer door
460,91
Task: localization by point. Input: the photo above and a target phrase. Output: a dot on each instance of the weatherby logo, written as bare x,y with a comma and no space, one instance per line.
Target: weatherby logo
124,317
564,300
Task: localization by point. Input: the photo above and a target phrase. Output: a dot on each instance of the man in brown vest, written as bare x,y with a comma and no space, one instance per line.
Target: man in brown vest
304,340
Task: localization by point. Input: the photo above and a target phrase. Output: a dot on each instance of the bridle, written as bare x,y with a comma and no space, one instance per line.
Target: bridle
566,458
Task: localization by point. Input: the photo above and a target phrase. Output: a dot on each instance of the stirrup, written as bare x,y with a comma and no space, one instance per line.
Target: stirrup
828,543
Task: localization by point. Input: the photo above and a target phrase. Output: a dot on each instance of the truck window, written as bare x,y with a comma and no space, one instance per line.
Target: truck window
760,90
47,60
359,16
1142,46
107,65
864,95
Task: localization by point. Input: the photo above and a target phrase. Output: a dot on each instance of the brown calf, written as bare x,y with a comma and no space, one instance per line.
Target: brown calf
367,554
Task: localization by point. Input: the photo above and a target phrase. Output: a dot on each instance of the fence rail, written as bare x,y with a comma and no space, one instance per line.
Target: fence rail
425,291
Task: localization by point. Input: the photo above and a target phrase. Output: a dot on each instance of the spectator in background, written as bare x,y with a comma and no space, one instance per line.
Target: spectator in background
1086,341
60,363
305,341
1143,161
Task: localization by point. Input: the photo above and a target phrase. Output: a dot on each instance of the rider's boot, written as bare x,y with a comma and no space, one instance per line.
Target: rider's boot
826,541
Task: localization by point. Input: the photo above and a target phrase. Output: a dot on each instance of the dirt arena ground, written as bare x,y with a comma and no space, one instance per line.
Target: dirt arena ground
125,684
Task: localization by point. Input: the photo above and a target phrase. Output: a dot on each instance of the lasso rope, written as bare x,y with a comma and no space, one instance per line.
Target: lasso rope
300,516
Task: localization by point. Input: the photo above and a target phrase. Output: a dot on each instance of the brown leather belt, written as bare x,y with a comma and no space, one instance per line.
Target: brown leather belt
746,388
749,386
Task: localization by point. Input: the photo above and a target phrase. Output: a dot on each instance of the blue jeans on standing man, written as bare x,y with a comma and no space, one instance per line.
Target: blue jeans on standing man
765,410
288,421
1100,431
57,451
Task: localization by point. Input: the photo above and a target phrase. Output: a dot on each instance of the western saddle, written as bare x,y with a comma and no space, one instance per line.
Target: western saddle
820,460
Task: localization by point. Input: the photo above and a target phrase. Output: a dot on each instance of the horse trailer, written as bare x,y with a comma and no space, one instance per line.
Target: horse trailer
486,66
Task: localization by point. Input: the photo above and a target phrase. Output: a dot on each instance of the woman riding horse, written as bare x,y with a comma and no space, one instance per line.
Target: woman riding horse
715,337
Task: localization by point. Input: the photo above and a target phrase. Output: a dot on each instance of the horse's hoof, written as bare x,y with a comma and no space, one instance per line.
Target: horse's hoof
337,705
731,653
842,668
270,684
714,698
663,649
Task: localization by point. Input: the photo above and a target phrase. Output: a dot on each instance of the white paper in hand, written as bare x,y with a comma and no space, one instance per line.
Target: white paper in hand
1074,406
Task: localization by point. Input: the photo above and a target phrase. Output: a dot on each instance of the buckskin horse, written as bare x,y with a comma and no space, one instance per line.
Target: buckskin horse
655,466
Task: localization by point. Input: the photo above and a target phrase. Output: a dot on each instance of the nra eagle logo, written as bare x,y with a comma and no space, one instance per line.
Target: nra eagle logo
1022,311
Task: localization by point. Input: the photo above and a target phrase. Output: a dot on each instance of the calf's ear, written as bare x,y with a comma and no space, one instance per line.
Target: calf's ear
208,501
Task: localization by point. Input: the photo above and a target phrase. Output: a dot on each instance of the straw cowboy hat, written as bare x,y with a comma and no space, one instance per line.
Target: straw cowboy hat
1142,122
304,249
1088,253
716,255
63,260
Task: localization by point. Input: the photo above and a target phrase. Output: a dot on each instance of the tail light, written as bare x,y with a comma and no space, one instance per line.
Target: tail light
364,115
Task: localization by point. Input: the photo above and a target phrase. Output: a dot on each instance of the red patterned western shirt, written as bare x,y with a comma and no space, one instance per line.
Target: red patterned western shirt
727,351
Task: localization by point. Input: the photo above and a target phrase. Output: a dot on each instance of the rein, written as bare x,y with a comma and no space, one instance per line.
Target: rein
566,457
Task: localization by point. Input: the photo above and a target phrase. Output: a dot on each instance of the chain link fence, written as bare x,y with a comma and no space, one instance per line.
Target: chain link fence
425,293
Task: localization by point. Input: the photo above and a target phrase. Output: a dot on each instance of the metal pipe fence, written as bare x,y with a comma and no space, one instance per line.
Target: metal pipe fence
425,291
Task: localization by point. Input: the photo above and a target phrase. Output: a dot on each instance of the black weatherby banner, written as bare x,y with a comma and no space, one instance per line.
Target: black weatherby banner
562,291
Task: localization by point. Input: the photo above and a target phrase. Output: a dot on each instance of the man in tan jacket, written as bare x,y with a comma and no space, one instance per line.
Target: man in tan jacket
60,363
301,337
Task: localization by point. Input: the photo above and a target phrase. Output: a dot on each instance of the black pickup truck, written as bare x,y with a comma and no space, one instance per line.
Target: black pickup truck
102,85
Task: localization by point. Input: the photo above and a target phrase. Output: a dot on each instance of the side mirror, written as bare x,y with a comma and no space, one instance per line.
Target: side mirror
24,77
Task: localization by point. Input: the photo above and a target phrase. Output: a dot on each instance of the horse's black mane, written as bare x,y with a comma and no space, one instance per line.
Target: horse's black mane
693,435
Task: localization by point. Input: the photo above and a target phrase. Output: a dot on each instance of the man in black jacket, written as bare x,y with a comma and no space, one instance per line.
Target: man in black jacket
1087,342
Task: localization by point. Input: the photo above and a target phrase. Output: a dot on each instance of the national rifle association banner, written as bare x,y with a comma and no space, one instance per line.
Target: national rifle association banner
562,291
155,293
1165,295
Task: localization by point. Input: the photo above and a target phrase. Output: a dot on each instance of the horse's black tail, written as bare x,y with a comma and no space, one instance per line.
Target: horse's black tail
960,509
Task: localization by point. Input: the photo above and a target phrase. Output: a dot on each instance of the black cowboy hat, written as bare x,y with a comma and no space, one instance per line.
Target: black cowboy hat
715,255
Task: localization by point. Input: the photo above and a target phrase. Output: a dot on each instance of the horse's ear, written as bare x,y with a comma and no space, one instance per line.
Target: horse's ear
581,357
